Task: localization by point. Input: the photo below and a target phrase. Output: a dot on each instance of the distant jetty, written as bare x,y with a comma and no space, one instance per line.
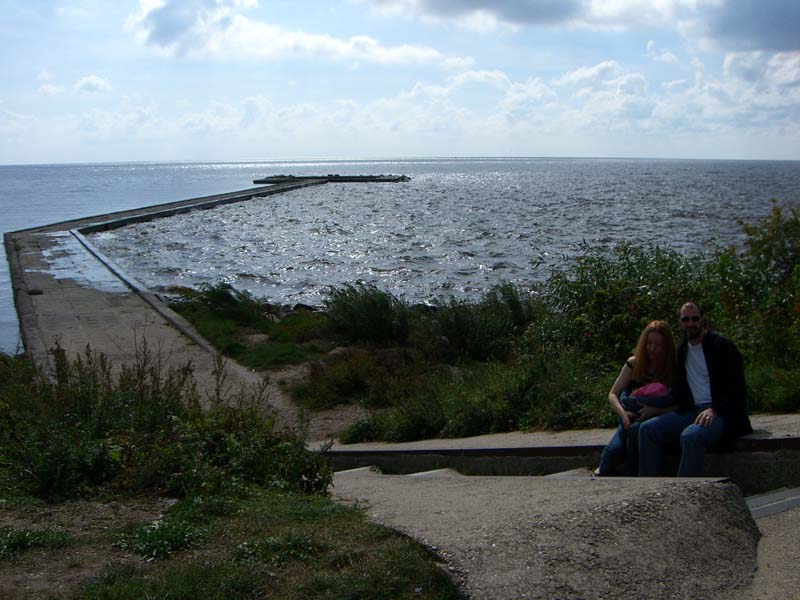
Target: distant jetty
333,178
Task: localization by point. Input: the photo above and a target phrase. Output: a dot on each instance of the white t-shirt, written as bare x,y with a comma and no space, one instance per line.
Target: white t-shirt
697,374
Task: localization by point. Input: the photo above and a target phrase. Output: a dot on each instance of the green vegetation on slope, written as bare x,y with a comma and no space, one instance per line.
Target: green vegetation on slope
545,356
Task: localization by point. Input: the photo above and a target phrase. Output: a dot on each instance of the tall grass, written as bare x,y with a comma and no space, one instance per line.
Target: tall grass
141,428
364,313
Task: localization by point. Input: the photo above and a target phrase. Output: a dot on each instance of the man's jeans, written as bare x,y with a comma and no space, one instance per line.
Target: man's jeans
673,430
622,447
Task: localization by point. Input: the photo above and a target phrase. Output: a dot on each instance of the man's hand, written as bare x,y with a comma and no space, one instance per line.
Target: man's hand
706,417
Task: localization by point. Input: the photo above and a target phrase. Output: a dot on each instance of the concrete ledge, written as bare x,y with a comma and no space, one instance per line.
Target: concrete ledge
758,463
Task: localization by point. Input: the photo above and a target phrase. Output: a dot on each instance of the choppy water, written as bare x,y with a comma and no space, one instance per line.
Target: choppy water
457,228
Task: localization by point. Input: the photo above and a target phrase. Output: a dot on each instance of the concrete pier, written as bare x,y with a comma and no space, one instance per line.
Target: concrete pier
333,178
68,293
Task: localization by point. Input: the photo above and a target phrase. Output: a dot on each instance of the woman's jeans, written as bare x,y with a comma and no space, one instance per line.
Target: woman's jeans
623,447
677,430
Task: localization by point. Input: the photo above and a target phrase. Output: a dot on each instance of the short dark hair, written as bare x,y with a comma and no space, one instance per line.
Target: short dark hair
696,305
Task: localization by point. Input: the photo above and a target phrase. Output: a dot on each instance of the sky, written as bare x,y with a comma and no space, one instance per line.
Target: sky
99,81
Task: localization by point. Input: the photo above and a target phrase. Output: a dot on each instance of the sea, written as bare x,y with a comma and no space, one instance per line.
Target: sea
457,228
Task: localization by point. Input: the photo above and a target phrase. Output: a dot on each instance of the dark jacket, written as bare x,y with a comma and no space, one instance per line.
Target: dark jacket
728,388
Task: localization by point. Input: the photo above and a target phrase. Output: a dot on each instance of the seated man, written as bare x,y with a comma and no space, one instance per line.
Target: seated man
710,390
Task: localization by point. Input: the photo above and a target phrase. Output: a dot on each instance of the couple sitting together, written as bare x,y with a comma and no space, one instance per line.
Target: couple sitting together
692,401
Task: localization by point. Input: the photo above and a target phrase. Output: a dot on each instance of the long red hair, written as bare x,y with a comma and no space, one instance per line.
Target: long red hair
662,370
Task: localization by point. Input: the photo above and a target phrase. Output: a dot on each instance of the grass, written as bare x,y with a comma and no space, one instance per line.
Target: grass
284,546
254,333
250,516
14,541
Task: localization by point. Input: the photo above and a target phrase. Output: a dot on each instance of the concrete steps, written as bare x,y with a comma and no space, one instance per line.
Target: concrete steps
760,462
761,505
773,502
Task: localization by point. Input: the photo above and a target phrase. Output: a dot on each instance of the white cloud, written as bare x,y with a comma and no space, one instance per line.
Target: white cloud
531,95
745,25
13,123
675,84
584,75
44,75
481,15
764,69
494,14
457,64
660,54
215,28
494,78
784,69
90,85
50,90
629,83
130,122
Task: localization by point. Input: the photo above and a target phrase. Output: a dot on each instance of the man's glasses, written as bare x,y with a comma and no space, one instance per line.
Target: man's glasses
693,319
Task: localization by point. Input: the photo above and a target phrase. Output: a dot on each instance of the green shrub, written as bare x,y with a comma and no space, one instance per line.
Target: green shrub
366,430
601,300
252,331
534,392
773,390
481,330
375,377
773,244
364,313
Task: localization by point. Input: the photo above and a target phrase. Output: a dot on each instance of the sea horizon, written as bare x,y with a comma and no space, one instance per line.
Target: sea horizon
379,159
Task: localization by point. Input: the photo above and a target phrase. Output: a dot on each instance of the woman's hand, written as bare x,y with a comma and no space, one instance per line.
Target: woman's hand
627,418
646,412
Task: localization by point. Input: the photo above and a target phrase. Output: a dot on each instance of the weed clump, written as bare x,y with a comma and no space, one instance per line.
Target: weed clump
363,313
14,541
141,428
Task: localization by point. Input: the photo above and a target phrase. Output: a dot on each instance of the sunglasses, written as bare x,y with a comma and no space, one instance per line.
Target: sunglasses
693,319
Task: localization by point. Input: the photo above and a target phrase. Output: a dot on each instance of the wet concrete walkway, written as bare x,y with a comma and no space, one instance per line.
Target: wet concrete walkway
68,294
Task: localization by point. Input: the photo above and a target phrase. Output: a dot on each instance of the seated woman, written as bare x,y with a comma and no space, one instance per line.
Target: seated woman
635,395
